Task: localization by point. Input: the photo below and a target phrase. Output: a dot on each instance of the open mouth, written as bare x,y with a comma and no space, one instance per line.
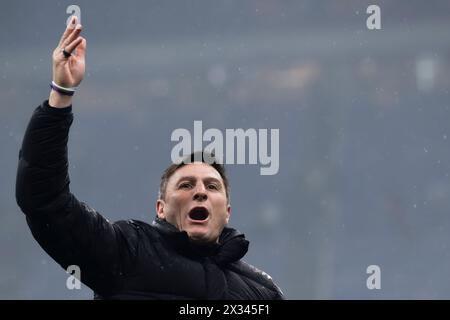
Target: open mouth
199,214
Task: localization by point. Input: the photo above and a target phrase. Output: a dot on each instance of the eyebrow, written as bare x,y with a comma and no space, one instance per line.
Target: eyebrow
192,178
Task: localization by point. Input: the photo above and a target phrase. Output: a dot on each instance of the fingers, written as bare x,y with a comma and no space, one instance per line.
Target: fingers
81,49
68,30
71,37
74,44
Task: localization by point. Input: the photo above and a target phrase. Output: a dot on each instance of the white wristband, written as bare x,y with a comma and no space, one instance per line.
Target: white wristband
64,88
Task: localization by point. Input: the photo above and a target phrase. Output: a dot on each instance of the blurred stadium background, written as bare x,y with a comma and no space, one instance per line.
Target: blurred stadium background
363,118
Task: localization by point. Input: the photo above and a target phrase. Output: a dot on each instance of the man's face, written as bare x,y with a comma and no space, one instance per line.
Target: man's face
196,202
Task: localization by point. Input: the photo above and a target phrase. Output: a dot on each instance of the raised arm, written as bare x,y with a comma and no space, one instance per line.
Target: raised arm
70,231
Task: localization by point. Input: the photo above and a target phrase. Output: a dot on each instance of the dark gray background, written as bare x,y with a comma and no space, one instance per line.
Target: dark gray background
363,118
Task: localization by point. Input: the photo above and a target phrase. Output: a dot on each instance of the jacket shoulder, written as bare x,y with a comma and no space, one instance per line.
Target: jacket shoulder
134,233
257,276
135,228
132,223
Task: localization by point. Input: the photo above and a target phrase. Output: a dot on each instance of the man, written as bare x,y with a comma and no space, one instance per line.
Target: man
187,252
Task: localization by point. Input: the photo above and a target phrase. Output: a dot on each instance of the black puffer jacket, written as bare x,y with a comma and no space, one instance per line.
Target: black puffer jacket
126,259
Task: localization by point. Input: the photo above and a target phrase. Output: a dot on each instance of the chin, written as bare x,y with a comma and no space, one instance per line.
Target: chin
199,237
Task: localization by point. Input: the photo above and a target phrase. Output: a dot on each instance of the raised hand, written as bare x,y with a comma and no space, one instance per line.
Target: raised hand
68,63
68,71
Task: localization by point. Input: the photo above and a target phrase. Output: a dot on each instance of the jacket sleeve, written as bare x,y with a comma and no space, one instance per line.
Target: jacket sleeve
69,230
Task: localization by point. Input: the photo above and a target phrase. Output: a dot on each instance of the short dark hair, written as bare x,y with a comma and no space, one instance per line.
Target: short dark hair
199,156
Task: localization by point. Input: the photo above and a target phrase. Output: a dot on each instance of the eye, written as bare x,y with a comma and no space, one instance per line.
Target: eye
185,185
213,186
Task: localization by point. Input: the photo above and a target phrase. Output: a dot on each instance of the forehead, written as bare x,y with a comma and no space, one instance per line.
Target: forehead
198,170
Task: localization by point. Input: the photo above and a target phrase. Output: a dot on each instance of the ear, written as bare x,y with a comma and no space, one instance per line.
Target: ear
160,204
228,213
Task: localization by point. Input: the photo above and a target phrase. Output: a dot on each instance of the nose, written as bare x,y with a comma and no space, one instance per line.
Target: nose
200,194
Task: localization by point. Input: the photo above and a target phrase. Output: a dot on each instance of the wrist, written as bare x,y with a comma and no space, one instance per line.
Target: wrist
57,100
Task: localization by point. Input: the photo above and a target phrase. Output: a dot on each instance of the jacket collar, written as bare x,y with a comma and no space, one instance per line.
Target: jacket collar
232,244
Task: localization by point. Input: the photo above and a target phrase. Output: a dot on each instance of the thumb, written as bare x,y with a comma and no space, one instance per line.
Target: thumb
81,48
